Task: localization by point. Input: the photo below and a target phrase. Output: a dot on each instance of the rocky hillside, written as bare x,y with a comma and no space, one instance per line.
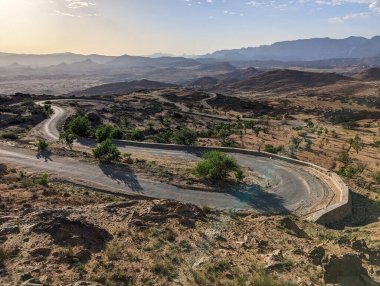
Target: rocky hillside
285,80
372,74
120,88
61,234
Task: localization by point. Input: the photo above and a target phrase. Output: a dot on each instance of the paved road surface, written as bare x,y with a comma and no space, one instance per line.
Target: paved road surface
292,187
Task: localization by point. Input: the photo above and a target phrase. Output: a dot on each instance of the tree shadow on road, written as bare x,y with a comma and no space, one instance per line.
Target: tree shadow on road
123,175
45,154
87,142
254,196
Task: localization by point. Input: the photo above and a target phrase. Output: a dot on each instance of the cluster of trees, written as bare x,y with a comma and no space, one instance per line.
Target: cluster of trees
183,136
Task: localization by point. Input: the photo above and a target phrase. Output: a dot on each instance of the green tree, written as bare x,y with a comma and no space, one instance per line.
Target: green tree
80,126
106,152
216,166
185,136
67,138
103,132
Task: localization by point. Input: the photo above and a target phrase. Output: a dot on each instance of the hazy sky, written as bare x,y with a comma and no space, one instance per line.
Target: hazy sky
142,27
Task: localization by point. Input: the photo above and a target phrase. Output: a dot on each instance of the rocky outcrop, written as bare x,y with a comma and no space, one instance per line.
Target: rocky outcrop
346,270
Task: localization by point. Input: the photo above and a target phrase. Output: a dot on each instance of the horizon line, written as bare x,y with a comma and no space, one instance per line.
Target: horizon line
178,55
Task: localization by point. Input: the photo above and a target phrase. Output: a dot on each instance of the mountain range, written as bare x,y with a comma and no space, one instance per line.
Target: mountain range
317,49
305,50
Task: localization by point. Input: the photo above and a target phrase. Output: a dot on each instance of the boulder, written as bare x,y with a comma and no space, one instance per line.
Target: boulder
317,254
292,228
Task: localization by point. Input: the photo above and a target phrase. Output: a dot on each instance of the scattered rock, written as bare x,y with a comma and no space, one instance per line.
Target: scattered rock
360,246
201,261
7,229
40,254
298,251
85,283
317,254
275,261
346,270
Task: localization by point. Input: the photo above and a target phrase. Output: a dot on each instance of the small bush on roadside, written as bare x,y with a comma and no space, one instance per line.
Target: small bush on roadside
136,135
48,110
42,145
185,136
43,180
106,152
68,138
218,166
348,172
274,150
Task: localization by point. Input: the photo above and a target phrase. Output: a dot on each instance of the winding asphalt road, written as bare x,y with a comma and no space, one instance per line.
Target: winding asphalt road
292,188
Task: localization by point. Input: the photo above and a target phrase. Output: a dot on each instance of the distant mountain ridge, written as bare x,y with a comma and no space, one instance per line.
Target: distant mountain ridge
120,88
305,50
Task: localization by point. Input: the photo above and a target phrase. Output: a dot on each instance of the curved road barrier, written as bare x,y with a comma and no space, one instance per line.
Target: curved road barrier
308,190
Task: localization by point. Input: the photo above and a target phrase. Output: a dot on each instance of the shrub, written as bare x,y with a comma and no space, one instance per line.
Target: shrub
80,126
217,166
67,138
356,143
185,136
274,150
106,152
107,131
344,157
136,135
43,180
376,177
41,145
9,135
117,133
48,110
347,172
103,133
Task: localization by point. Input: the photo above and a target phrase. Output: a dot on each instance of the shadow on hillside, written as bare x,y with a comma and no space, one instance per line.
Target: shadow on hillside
45,155
122,176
